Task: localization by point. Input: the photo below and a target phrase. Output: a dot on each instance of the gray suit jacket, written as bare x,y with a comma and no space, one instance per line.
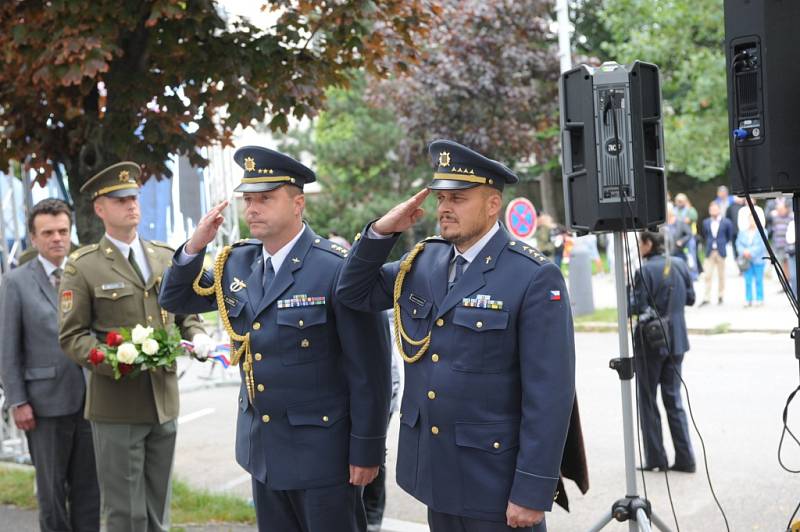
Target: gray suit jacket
33,368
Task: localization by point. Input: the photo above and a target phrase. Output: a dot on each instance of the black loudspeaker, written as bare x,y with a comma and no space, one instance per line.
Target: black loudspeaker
612,148
761,43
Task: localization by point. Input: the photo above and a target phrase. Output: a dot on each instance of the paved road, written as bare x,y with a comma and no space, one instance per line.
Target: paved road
738,384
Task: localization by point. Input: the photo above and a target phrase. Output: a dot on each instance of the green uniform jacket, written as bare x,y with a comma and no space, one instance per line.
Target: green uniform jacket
101,292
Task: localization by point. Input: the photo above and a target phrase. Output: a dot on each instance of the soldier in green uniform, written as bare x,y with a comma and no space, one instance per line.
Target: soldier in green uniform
113,284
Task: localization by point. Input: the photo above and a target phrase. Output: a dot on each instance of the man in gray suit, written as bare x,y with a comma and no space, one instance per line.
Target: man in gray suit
44,388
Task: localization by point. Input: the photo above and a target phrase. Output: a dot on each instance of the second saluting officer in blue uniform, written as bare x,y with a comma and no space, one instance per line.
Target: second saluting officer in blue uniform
489,350
314,402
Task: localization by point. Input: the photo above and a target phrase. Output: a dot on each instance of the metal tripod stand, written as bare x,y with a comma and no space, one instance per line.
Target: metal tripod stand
632,508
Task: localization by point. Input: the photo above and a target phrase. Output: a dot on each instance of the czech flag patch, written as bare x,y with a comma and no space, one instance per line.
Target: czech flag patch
555,295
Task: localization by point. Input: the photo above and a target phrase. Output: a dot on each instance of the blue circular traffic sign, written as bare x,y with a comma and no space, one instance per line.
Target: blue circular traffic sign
521,217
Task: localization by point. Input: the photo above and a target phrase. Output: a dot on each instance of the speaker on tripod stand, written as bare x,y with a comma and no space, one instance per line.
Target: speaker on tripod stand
614,181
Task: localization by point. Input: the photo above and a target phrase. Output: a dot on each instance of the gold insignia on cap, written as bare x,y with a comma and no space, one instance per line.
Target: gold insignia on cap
124,176
249,164
444,158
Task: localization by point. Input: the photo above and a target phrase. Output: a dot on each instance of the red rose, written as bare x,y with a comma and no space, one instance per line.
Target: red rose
114,339
125,368
96,356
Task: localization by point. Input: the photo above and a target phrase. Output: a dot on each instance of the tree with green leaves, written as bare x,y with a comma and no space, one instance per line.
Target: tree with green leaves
88,83
355,147
685,38
488,78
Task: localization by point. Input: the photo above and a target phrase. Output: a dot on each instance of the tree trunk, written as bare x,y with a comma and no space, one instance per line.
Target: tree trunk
548,194
90,228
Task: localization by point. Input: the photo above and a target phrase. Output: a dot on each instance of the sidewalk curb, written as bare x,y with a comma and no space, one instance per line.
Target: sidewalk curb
722,328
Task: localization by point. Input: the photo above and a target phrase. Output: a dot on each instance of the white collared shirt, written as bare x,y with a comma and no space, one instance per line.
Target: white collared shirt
138,253
280,256
473,251
49,267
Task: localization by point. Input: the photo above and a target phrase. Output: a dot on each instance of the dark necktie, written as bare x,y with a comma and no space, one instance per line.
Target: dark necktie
132,260
269,275
56,278
459,270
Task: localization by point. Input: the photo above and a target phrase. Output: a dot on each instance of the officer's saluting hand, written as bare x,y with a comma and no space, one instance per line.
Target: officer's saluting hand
314,400
484,325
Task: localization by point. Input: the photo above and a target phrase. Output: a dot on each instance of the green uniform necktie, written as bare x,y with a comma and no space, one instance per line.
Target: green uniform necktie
132,260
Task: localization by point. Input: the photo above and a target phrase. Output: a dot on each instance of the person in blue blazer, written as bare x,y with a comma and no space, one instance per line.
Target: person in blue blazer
314,401
488,342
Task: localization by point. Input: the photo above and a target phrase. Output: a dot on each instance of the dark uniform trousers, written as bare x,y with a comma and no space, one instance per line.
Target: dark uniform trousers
486,410
670,286
440,522
321,382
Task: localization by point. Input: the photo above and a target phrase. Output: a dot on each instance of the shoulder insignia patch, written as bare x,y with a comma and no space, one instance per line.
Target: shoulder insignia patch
528,251
80,252
69,269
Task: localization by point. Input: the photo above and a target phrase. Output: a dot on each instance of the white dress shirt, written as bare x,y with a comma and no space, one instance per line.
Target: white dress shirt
138,253
49,267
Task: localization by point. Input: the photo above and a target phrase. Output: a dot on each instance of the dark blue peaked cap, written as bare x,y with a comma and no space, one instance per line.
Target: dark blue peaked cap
458,167
266,169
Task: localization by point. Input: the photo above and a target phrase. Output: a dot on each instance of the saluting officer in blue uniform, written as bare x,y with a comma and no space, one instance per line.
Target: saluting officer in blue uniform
489,350
314,401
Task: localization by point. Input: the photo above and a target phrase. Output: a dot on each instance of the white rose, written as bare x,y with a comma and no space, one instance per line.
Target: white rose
127,353
150,347
139,334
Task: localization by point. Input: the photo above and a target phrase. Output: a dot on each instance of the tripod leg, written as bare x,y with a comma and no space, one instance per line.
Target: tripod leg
661,525
602,523
642,520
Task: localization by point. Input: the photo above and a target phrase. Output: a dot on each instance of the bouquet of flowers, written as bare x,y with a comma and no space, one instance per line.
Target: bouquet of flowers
131,351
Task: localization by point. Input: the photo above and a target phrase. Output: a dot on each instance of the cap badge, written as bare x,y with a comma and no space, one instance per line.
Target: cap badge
249,164
444,158
123,176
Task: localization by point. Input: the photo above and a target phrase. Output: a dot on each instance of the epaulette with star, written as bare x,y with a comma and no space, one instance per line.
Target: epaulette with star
161,245
435,239
331,247
85,250
528,251
246,241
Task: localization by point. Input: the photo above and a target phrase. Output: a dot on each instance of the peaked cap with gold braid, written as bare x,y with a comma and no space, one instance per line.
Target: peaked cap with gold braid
458,167
117,181
266,170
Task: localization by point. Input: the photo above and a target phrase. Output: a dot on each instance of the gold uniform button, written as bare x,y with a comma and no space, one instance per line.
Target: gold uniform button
114,295
414,312
434,430
260,387
305,343
435,357
325,419
146,293
301,323
316,240
496,445
431,395
265,418
479,324
256,326
439,322
149,318
258,356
